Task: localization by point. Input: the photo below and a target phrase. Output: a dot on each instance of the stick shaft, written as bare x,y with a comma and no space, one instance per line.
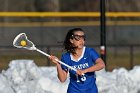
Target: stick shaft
56,60
42,52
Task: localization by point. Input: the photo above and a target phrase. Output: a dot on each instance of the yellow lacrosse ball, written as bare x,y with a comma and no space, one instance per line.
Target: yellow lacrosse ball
23,43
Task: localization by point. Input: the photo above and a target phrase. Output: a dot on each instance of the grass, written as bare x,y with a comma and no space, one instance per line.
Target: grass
122,60
113,61
39,60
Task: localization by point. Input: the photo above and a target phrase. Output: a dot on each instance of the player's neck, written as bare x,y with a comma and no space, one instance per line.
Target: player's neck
78,52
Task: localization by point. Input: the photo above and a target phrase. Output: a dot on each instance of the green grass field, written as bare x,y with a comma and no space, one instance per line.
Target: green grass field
115,58
120,60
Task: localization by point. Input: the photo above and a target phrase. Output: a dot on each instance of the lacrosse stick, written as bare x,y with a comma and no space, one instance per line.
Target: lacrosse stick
21,41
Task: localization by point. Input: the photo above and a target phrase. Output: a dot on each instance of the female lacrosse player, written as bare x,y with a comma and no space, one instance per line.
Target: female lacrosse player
84,59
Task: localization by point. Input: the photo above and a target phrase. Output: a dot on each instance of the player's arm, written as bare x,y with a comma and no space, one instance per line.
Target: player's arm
62,75
99,64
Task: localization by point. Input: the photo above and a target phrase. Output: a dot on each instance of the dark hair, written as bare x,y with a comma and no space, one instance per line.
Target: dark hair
67,44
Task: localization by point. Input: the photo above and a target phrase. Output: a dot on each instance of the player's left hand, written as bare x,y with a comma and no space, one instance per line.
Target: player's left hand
80,72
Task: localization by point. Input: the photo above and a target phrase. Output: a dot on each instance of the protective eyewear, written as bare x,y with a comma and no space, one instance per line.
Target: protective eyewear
78,37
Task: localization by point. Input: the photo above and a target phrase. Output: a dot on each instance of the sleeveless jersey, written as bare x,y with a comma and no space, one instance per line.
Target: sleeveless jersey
88,58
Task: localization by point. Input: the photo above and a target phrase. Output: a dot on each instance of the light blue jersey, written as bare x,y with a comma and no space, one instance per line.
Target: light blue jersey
87,59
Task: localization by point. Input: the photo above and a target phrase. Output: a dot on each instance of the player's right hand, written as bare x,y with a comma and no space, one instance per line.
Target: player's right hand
53,59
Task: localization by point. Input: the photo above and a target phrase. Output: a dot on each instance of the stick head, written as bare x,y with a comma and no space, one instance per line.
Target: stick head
21,41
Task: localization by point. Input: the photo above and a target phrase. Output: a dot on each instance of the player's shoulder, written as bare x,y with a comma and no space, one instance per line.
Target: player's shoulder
67,54
65,57
90,49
